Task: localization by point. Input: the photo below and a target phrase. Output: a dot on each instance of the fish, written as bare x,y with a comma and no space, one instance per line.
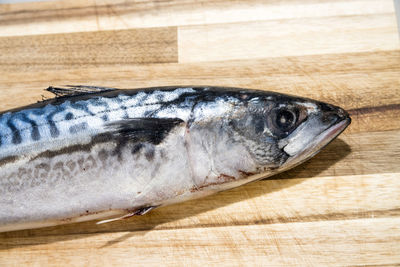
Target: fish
106,154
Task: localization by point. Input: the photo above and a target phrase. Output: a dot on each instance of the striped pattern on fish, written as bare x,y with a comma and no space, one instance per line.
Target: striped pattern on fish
55,122
93,152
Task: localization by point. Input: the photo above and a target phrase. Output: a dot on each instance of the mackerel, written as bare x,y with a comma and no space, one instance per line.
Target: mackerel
95,153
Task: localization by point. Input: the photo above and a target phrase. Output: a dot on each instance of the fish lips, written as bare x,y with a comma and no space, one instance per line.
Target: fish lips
303,146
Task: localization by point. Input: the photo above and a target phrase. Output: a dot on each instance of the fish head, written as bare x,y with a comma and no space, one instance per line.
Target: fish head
282,131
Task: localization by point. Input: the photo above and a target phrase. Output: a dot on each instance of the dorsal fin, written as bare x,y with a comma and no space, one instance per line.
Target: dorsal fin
73,90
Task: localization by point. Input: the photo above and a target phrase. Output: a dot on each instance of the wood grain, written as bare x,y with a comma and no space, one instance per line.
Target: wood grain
291,37
340,208
59,51
80,15
368,241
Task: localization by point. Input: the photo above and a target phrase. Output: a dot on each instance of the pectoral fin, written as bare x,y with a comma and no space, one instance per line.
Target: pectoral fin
151,130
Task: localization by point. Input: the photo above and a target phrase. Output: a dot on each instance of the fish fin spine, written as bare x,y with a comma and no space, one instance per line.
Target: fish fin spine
73,90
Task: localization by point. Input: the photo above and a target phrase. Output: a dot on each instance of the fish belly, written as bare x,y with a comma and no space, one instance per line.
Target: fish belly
83,183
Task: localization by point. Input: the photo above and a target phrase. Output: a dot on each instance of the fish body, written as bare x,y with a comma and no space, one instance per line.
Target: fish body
92,153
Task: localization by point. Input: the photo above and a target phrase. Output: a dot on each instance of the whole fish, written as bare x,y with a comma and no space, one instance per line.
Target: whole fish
95,153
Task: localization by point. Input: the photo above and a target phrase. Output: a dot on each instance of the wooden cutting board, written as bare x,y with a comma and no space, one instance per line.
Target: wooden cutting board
340,208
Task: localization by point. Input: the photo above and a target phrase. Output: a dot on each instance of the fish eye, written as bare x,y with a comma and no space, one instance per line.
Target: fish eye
283,121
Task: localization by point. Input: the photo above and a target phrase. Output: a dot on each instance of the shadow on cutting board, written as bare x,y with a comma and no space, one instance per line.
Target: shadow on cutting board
160,218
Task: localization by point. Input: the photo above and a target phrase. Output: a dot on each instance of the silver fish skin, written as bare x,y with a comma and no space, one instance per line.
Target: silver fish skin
94,153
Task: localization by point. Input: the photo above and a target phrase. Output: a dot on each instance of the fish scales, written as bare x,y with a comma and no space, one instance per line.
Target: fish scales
96,152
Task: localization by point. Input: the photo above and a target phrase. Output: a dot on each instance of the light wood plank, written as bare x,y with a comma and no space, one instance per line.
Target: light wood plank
349,242
79,15
293,37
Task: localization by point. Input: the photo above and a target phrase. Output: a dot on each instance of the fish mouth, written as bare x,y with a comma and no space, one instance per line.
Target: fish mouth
319,142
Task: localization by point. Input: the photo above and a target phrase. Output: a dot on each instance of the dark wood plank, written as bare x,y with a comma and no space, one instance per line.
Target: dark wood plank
90,49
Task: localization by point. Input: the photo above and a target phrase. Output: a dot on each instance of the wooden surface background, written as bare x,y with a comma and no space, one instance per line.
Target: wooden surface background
340,208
